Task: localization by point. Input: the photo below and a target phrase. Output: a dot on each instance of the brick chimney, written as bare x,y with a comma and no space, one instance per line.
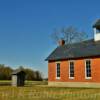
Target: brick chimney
61,42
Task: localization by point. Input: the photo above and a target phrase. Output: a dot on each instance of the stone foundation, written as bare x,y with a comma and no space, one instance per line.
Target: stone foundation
74,84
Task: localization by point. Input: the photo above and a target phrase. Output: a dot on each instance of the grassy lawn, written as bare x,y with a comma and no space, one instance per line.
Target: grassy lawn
40,91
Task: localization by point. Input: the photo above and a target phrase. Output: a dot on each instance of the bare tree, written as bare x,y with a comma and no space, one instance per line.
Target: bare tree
69,34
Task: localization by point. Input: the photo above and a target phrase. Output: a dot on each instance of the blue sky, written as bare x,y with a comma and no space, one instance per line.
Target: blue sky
26,25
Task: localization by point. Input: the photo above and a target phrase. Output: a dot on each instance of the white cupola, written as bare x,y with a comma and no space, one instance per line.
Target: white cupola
96,28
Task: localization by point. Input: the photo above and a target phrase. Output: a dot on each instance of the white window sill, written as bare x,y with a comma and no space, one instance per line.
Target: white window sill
88,78
58,78
71,78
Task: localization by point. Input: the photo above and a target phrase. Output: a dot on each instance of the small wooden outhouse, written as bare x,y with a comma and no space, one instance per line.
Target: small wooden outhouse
18,77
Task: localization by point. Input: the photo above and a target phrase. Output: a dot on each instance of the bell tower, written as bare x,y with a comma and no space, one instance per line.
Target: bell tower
96,28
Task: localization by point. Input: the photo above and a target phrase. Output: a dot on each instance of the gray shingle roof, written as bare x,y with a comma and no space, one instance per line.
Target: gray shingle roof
88,48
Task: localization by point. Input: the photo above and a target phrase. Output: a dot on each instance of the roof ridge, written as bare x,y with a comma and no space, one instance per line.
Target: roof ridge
80,42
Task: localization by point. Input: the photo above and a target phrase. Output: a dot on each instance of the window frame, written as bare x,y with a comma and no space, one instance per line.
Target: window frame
86,77
72,61
57,71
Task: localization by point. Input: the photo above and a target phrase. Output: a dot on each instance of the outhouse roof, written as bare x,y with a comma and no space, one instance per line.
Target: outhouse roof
17,71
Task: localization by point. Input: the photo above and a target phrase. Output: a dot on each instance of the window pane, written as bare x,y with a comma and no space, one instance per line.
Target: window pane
58,70
71,73
88,68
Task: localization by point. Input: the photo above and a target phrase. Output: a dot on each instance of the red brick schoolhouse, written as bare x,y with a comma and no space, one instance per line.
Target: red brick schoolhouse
78,66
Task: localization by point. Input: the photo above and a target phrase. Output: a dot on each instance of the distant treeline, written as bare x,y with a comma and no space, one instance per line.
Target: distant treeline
6,71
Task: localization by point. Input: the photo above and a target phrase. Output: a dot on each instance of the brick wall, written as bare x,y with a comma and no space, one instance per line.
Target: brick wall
79,71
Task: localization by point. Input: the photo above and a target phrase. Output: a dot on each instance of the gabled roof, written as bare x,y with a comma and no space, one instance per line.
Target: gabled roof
17,71
88,48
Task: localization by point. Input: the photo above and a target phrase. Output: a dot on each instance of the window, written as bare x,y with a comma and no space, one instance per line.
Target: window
88,69
58,71
71,70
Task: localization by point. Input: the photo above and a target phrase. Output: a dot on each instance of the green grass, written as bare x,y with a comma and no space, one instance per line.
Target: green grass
40,91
